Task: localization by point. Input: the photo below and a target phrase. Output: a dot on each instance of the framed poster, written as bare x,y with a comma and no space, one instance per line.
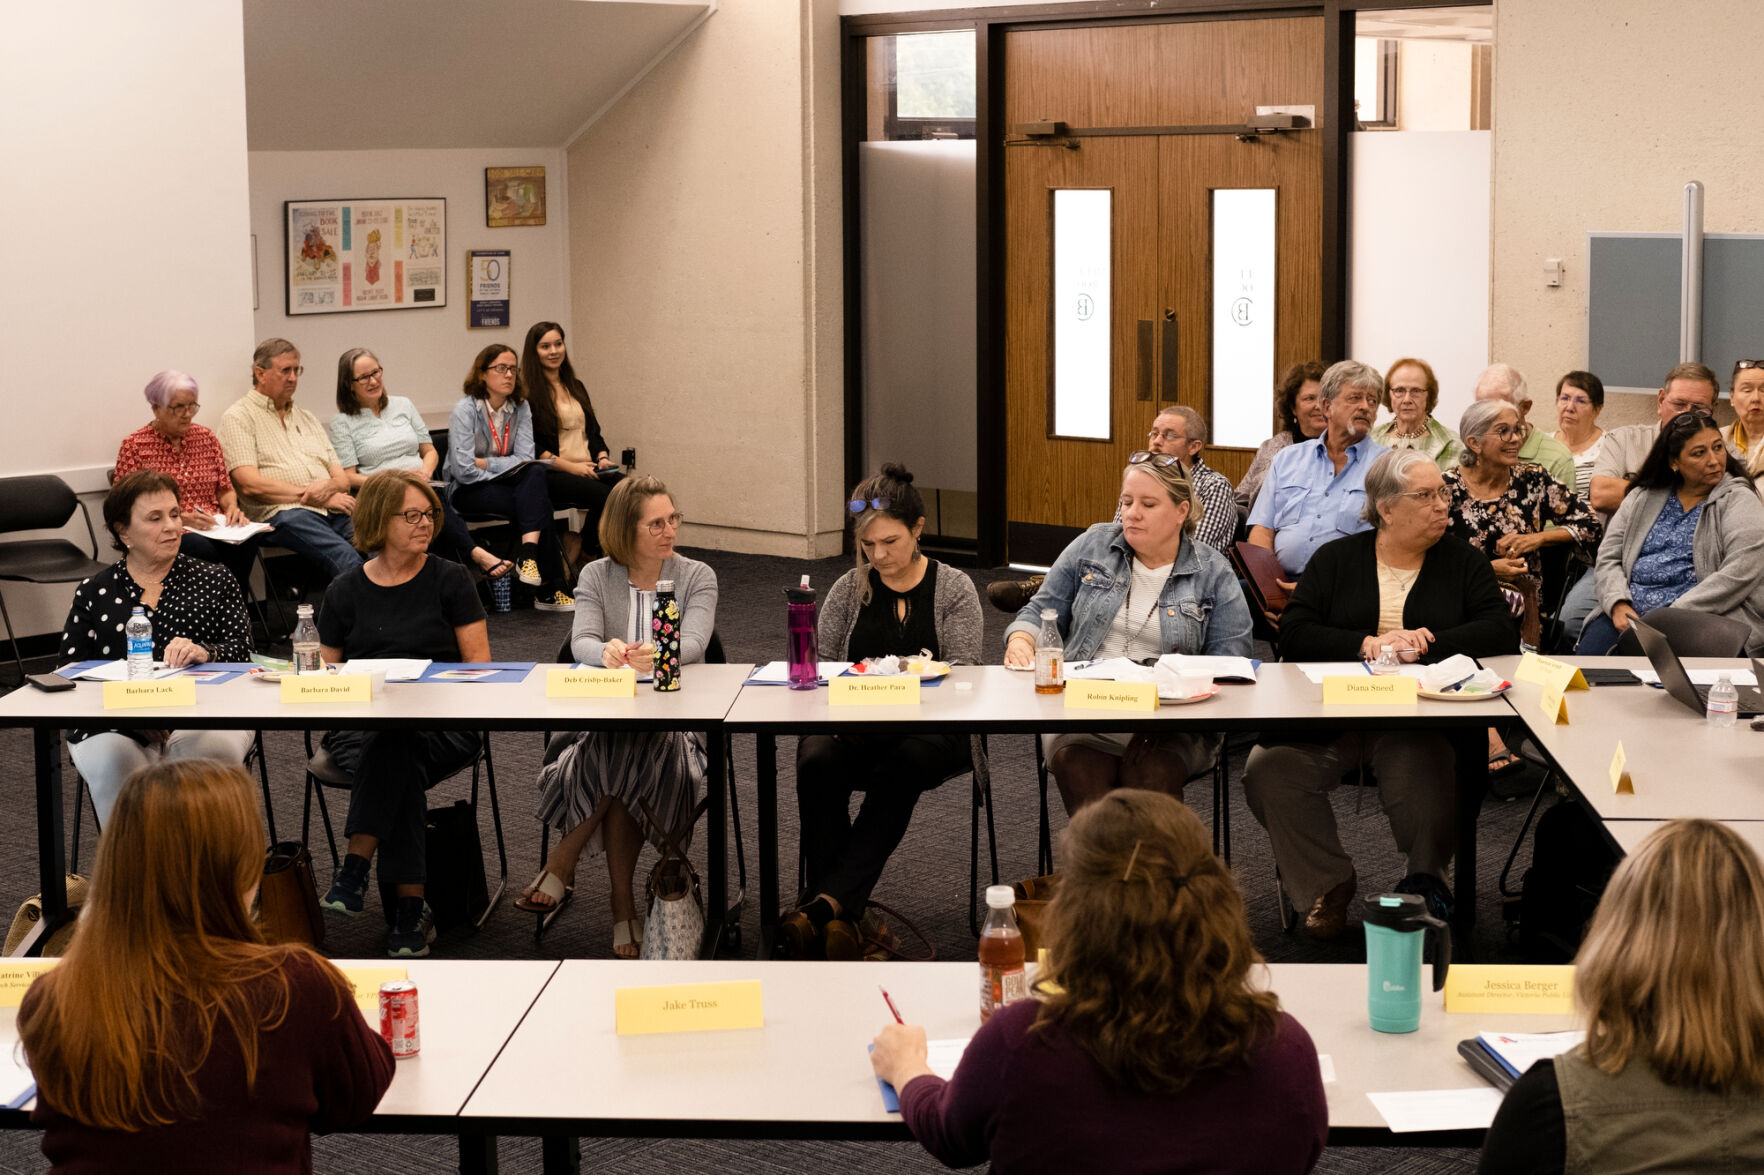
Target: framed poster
514,196
487,299
345,256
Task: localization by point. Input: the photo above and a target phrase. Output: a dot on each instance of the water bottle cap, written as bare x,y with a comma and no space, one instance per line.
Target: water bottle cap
1000,897
1725,679
664,585
1049,614
303,610
140,610
800,595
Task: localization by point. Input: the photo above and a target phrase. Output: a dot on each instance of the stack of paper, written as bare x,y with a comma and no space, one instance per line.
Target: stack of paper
118,671
395,668
222,533
1519,1051
778,672
1217,668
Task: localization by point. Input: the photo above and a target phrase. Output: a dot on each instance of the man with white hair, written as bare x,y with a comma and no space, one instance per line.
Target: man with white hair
1501,381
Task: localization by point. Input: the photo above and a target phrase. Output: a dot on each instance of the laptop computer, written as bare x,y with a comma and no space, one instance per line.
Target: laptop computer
1678,683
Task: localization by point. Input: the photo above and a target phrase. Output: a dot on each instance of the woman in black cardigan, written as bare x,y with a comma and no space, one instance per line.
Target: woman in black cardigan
567,434
1408,584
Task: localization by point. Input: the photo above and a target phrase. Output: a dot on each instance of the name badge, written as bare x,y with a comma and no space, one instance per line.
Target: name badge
327,687
137,695
873,691
591,683
1091,694
1391,689
1490,989
17,974
689,1007
366,983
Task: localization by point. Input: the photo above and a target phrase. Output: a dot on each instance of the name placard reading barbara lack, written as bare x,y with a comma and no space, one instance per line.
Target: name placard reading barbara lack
149,694
591,683
327,687
1381,690
1092,694
902,690
1492,989
689,1007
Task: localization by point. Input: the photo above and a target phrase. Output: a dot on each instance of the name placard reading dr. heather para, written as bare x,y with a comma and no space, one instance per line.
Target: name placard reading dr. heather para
327,687
1383,690
149,694
873,691
1093,694
689,1007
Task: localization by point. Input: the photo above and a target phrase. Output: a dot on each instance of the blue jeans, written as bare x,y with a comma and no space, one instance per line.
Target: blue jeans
1598,638
323,538
1580,602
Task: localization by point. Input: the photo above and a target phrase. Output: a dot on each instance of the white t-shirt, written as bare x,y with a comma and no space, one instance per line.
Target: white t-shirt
1138,635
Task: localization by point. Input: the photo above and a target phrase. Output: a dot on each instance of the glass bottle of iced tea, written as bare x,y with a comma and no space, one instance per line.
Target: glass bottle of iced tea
1002,980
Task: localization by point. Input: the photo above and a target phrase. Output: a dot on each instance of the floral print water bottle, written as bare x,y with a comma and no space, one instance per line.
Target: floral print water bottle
664,630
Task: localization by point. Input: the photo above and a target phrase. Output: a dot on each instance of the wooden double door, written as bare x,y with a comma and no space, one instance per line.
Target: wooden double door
1146,113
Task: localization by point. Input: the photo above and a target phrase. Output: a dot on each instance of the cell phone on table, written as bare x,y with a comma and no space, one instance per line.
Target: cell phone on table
49,683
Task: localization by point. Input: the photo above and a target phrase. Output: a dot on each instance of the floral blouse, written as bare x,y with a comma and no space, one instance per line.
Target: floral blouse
1534,502
1664,569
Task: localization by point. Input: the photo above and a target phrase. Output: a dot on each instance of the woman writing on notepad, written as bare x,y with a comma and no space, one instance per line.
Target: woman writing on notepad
1150,1047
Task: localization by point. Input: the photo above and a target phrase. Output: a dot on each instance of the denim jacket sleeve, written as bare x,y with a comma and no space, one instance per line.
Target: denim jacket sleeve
1228,629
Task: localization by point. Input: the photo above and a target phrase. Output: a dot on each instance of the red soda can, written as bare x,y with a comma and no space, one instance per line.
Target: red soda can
399,1022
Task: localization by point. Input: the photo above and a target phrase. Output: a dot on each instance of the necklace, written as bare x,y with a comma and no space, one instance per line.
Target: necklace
1409,436
1149,612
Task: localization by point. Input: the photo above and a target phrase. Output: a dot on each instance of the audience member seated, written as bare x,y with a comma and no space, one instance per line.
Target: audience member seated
1182,432
593,785
1428,594
191,456
170,1037
1745,436
1150,1047
1503,382
1136,589
896,602
490,463
1689,534
400,603
1671,1074
1316,490
373,431
1580,397
198,615
1411,392
1302,418
566,431
284,467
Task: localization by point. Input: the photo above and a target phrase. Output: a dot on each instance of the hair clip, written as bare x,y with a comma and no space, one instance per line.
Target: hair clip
1128,875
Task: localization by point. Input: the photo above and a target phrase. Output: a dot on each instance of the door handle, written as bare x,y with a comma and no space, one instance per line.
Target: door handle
1147,342
1167,393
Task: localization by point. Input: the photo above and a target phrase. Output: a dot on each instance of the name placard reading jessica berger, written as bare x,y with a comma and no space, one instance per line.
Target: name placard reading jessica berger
689,1007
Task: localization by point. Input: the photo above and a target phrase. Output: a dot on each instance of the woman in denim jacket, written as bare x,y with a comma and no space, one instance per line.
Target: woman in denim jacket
1107,588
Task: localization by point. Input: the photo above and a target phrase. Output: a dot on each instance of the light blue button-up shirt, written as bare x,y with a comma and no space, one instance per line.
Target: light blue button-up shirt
1306,503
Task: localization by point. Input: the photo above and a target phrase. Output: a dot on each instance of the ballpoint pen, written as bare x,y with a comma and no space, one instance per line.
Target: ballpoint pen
889,1000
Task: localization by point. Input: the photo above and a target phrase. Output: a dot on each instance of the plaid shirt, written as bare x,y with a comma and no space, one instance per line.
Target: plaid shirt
1218,520
296,451
195,463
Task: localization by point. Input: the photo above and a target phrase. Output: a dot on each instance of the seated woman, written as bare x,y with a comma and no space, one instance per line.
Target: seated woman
1151,1048
490,463
175,445
1411,392
1137,588
566,431
1408,584
1302,418
1671,1074
373,431
1745,436
1690,534
1580,397
593,785
170,1037
198,615
400,603
897,601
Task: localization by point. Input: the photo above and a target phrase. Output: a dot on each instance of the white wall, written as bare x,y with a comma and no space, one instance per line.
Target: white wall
1433,84
427,352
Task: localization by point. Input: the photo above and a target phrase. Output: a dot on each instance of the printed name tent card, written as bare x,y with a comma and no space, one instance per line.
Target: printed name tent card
584,682
688,1007
1371,690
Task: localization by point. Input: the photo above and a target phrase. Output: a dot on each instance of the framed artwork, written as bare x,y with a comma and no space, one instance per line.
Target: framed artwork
514,196
487,279
345,256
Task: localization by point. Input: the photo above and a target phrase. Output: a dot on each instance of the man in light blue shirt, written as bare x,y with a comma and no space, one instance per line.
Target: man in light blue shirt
1316,490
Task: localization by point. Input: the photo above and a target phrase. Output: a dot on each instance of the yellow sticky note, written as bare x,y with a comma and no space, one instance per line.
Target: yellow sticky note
1547,671
1491,989
366,982
591,683
151,693
17,974
1553,704
1392,689
1086,694
854,690
689,1007
327,687
1621,784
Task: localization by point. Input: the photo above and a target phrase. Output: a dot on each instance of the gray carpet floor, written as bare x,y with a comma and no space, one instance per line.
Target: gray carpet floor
926,881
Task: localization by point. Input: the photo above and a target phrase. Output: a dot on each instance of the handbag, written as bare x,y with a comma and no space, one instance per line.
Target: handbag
1033,896
287,899
30,912
456,887
675,926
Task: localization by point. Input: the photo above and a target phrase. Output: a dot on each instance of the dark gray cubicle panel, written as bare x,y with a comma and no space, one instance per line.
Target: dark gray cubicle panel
1733,301
1633,304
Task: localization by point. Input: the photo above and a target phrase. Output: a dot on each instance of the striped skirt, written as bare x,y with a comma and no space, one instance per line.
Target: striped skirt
665,769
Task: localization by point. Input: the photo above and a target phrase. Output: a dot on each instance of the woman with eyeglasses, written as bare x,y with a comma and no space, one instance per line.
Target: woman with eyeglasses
598,788
374,430
897,601
1745,435
1689,535
1302,418
490,462
566,432
401,603
1580,396
1137,588
1411,392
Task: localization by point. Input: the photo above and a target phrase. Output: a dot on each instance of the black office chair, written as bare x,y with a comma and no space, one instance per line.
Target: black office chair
40,502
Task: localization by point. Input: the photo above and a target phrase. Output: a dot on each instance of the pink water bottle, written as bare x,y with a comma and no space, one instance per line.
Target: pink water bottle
804,647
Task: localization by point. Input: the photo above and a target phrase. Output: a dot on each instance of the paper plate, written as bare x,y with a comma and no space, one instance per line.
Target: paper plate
259,673
1459,696
1167,700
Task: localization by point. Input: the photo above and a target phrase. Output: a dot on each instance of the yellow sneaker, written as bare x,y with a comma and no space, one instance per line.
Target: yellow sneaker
529,572
557,601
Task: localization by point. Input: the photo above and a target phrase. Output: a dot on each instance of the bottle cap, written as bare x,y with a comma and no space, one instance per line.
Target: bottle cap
664,585
1049,614
1000,897
800,595
303,610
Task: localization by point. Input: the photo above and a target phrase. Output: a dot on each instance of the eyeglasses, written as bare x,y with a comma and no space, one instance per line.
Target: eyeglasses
1395,392
1695,420
189,409
285,370
671,522
1146,457
370,377
859,505
1442,495
418,517
1168,437
503,369
1575,401
1506,432
1749,365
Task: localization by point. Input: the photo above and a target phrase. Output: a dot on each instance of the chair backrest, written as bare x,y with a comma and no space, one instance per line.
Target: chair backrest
38,502
1690,633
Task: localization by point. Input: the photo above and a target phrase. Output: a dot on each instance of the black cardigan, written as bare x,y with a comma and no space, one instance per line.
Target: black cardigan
1456,597
545,423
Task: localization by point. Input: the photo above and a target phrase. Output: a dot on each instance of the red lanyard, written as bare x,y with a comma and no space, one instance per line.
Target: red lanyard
499,448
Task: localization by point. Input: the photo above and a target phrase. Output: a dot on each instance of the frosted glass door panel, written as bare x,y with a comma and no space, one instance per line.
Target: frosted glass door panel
1082,238
1243,315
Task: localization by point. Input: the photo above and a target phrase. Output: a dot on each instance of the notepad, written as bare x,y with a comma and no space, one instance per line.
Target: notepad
222,533
119,671
941,1057
778,672
396,668
1519,1051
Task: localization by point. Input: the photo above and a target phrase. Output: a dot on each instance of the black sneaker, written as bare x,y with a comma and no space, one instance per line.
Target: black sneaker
1432,890
413,929
348,886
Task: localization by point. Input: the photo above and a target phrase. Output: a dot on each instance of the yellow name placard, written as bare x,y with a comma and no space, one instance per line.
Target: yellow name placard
1391,689
327,687
1621,783
1553,704
1487,988
16,975
366,982
1086,694
689,1007
873,691
591,683
1547,671
152,693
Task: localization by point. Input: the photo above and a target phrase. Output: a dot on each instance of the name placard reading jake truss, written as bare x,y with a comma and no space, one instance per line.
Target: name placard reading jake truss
154,692
327,687
1093,694
591,683
1491,989
873,691
1383,690
689,1007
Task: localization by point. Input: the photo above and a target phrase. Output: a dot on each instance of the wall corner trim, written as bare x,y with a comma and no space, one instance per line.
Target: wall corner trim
666,51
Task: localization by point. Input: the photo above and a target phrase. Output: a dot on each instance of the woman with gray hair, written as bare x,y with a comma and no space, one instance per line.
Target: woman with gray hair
1408,584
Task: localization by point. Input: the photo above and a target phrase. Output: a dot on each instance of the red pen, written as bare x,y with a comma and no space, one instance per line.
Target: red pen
889,1000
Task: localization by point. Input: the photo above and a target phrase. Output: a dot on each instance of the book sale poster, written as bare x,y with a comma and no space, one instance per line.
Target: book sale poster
349,255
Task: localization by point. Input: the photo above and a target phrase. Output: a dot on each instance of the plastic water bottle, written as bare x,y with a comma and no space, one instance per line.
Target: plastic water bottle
1387,661
799,623
664,633
1050,655
1002,978
306,642
1723,706
139,631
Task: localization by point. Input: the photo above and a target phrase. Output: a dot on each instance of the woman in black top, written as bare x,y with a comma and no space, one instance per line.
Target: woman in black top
198,616
565,431
898,602
400,603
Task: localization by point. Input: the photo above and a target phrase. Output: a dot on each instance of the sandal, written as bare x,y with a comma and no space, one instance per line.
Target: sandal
499,569
549,885
1499,770
628,934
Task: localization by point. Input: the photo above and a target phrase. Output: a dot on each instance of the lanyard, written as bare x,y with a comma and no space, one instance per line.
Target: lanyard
499,446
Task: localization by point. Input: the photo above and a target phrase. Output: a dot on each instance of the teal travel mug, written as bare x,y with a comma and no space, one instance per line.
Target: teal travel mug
1396,924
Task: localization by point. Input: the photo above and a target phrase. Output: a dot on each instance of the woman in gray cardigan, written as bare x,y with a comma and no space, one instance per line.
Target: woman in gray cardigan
896,601
591,783
1689,534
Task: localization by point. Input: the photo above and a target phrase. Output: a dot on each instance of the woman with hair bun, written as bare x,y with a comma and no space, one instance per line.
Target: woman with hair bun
1149,1048
895,601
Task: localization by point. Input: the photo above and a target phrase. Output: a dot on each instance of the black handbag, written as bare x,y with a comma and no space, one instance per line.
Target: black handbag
456,887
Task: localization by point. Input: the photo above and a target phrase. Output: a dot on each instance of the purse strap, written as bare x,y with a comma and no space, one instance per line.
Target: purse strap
895,916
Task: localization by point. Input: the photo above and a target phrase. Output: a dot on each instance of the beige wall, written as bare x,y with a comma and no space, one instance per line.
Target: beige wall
1603,109
705,272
